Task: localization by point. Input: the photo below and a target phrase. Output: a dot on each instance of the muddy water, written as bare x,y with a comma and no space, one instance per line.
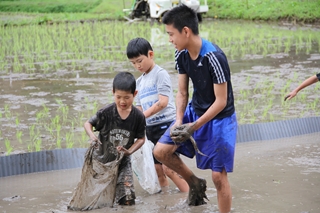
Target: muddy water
269,176
46,96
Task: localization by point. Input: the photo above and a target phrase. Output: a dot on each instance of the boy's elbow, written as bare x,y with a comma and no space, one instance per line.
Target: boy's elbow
222,103
225,102
183,93
163,104
87,125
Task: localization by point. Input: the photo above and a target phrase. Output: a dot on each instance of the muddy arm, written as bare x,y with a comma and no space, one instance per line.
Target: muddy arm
89,130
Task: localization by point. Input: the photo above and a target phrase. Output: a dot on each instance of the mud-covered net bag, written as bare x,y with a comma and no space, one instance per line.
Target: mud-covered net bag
97,187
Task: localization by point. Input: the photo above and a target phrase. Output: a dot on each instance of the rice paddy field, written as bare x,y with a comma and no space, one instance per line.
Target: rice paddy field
54,77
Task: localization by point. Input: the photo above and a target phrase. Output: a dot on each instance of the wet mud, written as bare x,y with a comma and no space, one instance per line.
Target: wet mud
261,78
181,134
97,187
197,193
269,176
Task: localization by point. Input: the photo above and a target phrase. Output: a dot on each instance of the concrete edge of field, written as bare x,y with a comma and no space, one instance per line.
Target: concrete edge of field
57,159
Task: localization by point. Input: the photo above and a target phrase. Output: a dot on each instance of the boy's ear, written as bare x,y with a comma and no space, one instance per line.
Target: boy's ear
151,54
186,31
135,93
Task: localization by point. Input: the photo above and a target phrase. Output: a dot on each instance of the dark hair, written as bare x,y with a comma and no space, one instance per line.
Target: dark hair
137,47
182,16
124,81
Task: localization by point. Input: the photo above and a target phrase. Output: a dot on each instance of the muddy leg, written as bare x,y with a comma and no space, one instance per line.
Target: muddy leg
176,179
197,192
165,154
220,180
161,175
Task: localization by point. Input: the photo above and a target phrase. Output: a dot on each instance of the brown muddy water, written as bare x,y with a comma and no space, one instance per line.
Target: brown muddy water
269,176
53,78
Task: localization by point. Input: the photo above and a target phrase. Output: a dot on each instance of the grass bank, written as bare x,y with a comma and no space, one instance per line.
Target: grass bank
13,12
296,10
17,12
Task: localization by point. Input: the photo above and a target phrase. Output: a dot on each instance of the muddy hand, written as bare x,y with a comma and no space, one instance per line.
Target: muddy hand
285,98
194,144
290,95
123,150
95,143
173,129
182,133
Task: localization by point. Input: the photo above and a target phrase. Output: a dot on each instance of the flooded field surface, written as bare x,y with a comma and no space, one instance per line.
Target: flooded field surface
53,78
269,176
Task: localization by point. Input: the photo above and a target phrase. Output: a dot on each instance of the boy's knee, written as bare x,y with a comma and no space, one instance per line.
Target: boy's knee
219,179
156,153
160,152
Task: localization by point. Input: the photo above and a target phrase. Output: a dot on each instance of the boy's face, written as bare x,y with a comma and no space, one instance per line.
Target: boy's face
178,39
143,63
123,99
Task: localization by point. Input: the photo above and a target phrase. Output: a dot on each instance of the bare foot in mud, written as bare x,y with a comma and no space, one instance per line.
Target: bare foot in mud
197,193
124,202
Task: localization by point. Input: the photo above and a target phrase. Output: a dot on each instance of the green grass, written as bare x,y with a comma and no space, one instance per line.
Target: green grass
18,12
299,10
49,6
27,12
17,18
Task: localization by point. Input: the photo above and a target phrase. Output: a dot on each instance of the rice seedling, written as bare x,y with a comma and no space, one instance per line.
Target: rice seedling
58,138
30,147
100,48
9,148
314,104
32,131
7,111
69,139
84,138
19,135
37,144
58,142
17,121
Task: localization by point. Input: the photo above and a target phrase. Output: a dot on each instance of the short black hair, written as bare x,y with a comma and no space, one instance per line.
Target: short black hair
137,47
182,16
124,81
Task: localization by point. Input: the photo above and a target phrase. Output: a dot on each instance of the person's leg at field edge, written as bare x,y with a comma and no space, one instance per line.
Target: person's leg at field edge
224,195
165,153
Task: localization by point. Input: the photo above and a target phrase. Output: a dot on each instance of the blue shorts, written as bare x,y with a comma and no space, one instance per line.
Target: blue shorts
216,139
